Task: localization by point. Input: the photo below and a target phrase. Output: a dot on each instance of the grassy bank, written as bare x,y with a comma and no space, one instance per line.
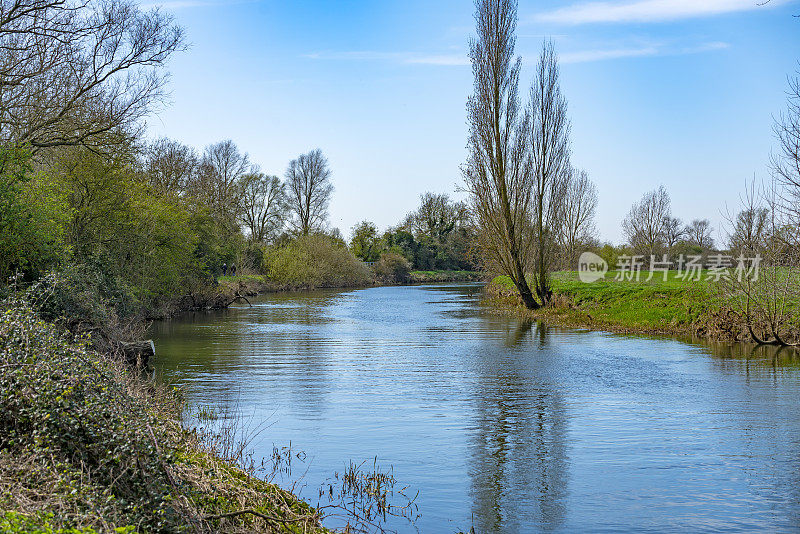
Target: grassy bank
86,446
674,306
430,277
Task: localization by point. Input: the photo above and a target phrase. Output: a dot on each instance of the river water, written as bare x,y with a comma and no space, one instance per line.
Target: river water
501,424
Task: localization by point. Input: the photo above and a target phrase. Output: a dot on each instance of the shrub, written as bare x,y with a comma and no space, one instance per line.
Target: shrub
86,446
317,261
86,298
392,267
59,406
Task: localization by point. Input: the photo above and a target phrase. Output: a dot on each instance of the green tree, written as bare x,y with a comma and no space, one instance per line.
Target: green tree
33,212
365,243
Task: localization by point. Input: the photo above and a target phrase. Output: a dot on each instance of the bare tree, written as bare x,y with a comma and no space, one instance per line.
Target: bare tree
674,231
79,72
263,206
698,232
786,163
763,236
549,154
170,166
580,205
750,227
644,225
309,191
217,181
497,172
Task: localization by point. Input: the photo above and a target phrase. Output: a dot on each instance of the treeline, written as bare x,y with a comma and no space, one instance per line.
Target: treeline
438,235
131,224
759,227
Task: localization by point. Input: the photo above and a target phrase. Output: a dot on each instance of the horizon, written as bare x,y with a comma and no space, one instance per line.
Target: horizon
660,93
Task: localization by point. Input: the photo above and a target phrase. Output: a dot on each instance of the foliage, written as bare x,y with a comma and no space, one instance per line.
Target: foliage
317,260
436,236
365,243
13,522
56,404
32,217
392,267
86,446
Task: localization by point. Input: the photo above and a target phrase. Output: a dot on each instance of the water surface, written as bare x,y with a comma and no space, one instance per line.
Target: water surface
501,424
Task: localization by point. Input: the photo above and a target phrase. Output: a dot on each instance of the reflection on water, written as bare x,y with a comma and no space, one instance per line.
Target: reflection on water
501,424
518,465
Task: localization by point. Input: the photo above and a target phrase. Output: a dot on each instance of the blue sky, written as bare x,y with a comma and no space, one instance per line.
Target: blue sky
673,92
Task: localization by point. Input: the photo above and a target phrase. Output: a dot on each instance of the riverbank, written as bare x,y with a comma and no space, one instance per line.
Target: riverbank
88,446
673,307
229,289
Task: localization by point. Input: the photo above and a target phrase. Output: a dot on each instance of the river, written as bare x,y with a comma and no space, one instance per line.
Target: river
504,425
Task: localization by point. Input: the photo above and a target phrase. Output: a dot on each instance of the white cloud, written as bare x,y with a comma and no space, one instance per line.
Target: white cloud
456,60
461,59
648,10
399,57
174,5
587,56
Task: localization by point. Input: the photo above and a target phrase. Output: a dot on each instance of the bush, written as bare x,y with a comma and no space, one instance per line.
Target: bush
317,261
87,446
59,405
393,268
87,298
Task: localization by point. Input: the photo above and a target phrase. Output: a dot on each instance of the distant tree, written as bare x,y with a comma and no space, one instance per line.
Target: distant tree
263,206
436,217
365,243
336,236
401,241
674,231
643,227
751,230
170,166
698,232
786,162
580,205
80,73
217,182
309,191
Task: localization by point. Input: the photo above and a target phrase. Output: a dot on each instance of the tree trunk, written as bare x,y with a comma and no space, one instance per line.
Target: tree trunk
527,297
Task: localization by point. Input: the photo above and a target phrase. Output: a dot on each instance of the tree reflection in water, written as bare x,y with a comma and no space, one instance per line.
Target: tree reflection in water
520,445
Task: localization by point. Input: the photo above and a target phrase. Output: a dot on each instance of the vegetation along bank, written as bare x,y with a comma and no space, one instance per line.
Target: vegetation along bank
675,306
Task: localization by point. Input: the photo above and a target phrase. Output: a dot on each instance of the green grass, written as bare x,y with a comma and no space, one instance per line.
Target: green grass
445,276
673,305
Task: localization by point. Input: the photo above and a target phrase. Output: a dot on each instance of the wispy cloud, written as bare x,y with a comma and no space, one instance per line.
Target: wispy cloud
398,57
455,60
174,5
461,59
648,10
587,56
